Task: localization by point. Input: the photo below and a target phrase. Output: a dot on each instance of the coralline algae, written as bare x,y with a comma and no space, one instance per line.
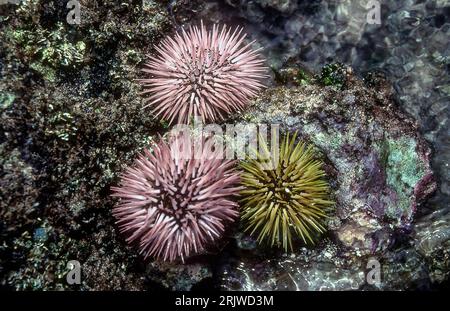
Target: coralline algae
380,169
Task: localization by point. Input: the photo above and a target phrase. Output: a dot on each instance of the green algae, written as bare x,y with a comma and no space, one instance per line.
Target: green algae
333,75
71,117
47,52
403,162
322,138
6,100
404,169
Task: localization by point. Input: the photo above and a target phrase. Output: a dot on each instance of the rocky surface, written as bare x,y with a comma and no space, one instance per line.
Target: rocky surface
379,169
409,46
71,121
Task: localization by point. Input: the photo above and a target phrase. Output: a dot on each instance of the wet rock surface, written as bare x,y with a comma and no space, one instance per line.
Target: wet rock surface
379,169
408,46
71,121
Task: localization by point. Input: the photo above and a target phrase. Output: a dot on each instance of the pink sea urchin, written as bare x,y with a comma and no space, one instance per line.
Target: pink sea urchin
173,204
202,73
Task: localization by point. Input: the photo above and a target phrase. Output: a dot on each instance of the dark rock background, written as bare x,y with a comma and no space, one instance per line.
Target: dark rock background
71,120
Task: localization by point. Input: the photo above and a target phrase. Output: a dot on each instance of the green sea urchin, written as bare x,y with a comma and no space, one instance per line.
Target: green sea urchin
284,195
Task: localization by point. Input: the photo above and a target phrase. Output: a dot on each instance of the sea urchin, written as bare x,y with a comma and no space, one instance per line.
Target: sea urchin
288,196
173,204
202,73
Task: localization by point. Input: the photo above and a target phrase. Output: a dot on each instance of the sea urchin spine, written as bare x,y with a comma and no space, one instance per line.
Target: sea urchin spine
202,73
173,204
290,197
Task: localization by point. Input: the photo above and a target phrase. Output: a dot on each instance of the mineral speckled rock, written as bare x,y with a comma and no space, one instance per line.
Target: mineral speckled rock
178,276
379,168
408,45
70,118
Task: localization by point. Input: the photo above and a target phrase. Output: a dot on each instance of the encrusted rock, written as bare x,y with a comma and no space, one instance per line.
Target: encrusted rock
379,168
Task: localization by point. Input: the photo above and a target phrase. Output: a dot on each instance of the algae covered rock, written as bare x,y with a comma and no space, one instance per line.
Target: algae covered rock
176,276
379,168
70,119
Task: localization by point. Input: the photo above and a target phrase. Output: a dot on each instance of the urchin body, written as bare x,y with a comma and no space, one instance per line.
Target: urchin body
202,73
286,196
173,204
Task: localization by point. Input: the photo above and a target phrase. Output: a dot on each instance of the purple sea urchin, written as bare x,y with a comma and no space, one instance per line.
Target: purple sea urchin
288,195
172,203
202,73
